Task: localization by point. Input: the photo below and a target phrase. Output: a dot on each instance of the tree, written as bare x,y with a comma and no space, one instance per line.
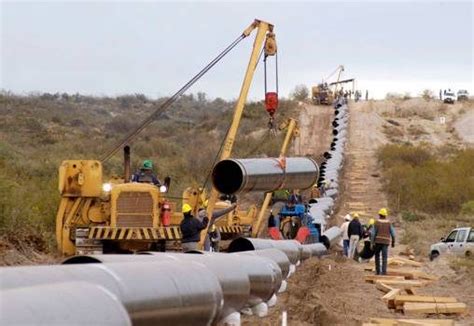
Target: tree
300,93
427,95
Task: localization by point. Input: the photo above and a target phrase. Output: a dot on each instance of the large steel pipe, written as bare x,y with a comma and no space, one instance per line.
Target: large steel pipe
71,303
291,250
264,274
234,280
177,293
330,236
264,174
276,255
316,249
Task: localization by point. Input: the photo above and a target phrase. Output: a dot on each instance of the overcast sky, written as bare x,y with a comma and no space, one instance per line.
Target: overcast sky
113,48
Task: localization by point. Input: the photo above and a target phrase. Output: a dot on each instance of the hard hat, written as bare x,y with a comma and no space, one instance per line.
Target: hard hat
186,208
383,212
148,164
347,217
355,215
213,228
371,221
206,202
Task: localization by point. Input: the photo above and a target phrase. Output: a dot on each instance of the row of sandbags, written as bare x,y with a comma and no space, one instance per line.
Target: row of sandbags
321,208
154,288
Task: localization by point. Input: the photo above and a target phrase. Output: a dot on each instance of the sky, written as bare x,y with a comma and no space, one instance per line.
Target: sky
115,48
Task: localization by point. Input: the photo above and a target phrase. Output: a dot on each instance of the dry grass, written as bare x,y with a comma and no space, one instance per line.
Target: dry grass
39,131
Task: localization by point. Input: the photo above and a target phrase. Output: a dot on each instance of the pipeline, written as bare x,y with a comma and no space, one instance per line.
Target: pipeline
331,236
232,176
175,293
289,247
247,281
274,254
70,303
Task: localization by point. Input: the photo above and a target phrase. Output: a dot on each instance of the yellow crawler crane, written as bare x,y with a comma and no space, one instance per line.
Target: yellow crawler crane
96,217
322,94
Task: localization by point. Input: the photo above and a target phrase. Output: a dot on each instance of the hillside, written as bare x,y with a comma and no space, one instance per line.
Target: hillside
39,131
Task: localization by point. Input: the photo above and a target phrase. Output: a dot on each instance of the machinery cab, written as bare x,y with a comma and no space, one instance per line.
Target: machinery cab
92,213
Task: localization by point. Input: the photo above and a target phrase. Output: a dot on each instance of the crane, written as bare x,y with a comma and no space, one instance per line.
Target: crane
264,38
134,216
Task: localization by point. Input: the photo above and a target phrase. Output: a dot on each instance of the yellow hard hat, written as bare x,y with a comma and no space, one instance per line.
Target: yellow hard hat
213,228
206,202
371,221
355,215
383,212
186,208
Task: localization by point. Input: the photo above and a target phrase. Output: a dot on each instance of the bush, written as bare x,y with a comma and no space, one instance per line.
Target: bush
415,179
300,93
468,208
427,95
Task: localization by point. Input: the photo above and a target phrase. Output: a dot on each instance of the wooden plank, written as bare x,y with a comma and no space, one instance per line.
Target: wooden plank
404,321
383,287
404,284
373,278
410,291
400,299
425,276
433,322
408,261
384,321
388,298
434,308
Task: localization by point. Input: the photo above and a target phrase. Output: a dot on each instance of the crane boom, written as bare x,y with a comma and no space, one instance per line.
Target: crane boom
266,39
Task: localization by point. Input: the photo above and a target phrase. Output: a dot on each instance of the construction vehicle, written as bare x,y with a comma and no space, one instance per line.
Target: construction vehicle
322,93
116,216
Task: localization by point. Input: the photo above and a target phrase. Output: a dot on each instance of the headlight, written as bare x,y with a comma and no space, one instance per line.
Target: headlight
163,189
106,187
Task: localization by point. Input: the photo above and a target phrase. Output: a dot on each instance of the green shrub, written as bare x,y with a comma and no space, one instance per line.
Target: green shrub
409,216
415,179
468,208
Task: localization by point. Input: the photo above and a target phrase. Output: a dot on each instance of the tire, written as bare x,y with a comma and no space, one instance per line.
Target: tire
433,255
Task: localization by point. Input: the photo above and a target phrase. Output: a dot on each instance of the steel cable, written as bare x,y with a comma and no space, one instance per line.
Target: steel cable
170,101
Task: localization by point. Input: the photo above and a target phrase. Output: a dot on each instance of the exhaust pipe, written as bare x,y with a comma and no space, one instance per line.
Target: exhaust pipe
126,164
233,176
71,303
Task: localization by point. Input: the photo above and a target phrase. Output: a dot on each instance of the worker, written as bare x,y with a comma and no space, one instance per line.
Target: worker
382,235
366,94
345,236
202,215
214,238
354,231
294,199
191,228
367,251
145,174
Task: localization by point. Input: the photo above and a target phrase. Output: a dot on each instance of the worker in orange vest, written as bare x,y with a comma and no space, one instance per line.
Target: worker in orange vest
382,235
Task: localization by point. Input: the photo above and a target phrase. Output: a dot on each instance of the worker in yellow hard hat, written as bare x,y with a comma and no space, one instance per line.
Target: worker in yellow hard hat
382,235
367,251
191,228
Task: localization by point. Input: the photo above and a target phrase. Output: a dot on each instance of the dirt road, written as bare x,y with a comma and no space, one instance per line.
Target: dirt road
332,290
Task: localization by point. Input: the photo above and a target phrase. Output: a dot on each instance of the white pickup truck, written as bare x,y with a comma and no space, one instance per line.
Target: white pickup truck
459,242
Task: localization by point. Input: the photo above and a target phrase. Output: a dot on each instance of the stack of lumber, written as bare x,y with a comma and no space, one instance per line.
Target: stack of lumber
399,288
409,322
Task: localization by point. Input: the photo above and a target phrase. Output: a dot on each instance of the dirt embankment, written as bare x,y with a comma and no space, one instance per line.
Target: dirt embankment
332,290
